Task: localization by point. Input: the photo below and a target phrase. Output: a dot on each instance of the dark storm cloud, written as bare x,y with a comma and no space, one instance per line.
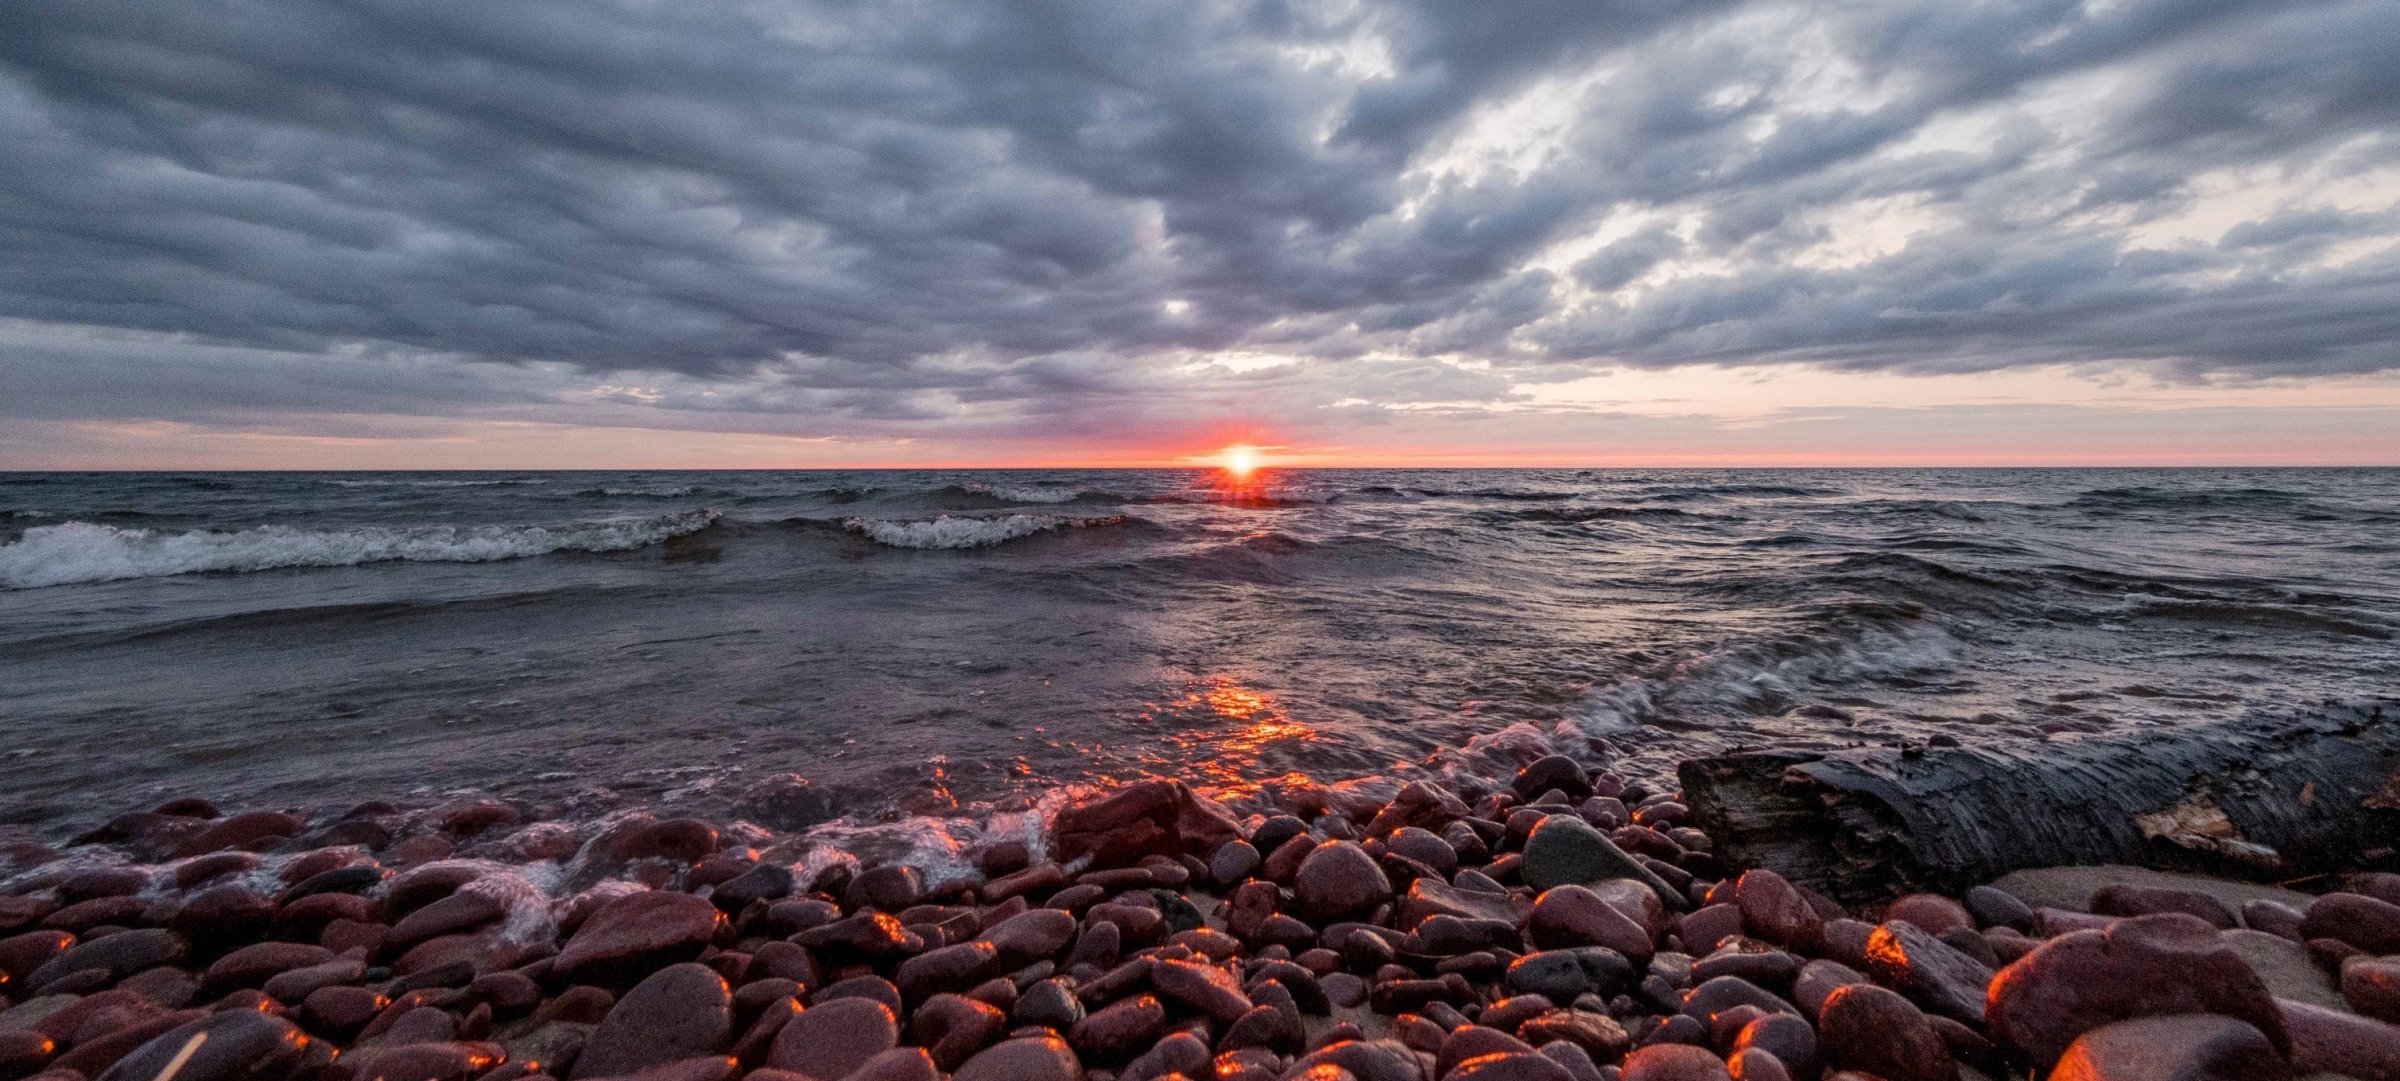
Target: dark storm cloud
902,212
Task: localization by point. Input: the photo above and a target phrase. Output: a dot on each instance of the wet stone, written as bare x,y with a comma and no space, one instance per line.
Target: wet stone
2146,966
2184,1047
2366,922
829,1040
636,934
241,1045
1868,1028
681,1011
1673,1062
1121,1030
2126,899
1931,912
1040,1058
1930,971
953,1027
115,957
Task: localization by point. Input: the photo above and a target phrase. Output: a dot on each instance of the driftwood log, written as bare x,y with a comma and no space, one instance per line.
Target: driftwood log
2263,798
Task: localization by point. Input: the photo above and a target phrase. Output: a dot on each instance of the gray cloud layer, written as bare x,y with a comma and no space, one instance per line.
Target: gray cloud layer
881,213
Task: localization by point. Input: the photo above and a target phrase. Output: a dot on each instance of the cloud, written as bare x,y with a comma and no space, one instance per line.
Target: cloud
875,219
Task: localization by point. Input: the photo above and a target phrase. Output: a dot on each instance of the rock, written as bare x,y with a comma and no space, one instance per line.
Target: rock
2362,921
953,1027
2285,967
1031,936
1865,1027
2182,1047
1561,975
1423,804
892,887
1036,1058
241,1045
636,934
255,964
1998,908
1476,1041
1049,1003
293,986
2372,987
829,1040
677,840
21,954
2071,888
341,1011
2126,899
117,956
1791,1040
700,1068
1597,1033
246,830
425,1061
871,987
1365,1060
1940,978
951,968
1428,898
1423,847
1565,850
2145,966
1756,1064
1122,1030
1552,772
2274,918
1932,912
1203,987
1521,1066
766,882
1339,880
679,1012
466,910
2334,1042
1572,915
1233,862
1773,909
1163,818
1704,928
1673,1062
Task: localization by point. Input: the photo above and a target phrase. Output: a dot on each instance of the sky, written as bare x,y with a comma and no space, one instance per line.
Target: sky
632,233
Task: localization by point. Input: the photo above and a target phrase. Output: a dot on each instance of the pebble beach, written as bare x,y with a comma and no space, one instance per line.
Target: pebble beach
1560,924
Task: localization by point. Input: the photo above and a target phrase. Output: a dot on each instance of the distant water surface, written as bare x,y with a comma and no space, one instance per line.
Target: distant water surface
922,643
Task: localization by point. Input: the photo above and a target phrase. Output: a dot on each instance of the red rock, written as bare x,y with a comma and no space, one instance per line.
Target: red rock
21,954
466,910
294,985
253,965
1930,911
580,1005
1932,972
1122,1030
2362,921
117,956
679,840
1673,1062
1791,1040
1524,1066
167,987
2274,918
1575,915
1428,898
953,1027
897,1064
891,888
1141,819
699,1068
1597,1033
2145,966
636,934
680,1012
1366,1060
829,1040
202,869
1422,804
424,1061
82,916
1702,929
2334,1042
340,1012
951,968
240,1045
1868,1028
23,1052
2372,987
1774,910
1338,880
1203,987
1038,1058
870,987
2122,899
2181,1047
474,817
250,830
1756,1064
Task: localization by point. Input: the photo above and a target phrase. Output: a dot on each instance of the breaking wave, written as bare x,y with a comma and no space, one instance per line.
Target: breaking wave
74,552
963,532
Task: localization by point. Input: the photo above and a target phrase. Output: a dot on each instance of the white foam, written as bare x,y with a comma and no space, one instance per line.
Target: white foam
74,552
1017,493
956,532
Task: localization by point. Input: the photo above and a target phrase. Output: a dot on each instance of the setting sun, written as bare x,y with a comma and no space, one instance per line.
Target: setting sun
1240,460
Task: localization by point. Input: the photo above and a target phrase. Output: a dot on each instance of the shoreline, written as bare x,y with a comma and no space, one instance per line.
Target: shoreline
1562,924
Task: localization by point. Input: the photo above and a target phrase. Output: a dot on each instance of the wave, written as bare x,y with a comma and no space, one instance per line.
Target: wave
948,532
76,552
397,482
1577,515
1027,493
1682,493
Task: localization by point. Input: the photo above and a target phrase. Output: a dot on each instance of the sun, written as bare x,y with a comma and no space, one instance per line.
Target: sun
1240,460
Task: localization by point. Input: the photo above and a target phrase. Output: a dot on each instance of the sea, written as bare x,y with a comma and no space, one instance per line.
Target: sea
921,653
